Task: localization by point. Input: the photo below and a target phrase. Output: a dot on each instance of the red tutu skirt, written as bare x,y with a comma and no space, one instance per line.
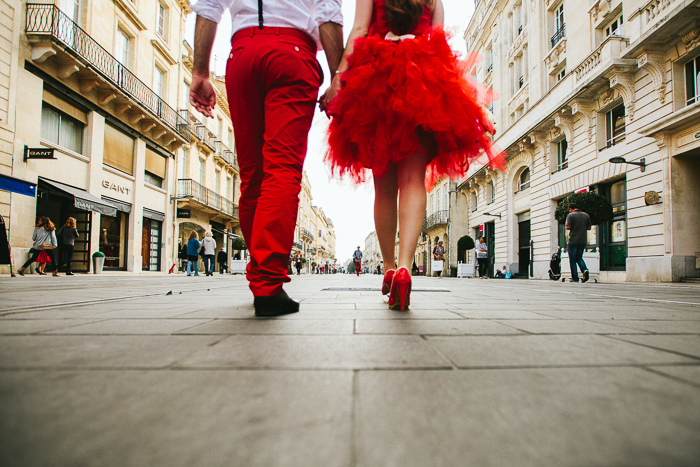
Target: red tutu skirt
393,89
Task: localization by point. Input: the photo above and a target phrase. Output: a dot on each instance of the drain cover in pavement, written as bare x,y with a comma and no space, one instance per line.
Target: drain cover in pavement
371,289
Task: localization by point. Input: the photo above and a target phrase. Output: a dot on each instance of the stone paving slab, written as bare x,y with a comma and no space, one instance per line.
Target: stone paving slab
132,326
31,326
660,327
686,345
535,417
689,373
274,326
433,327
570,326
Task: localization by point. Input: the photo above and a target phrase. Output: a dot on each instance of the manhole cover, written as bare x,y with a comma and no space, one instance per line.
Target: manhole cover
377,289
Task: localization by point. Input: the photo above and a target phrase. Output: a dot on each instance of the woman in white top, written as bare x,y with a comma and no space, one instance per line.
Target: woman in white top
482,257
209,245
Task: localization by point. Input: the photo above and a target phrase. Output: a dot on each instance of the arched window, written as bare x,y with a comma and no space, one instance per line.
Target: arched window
524,180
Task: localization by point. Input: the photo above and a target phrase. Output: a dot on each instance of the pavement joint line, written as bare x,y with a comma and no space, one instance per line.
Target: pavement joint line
27,309
674,352
674,378
355,442
438,351
622,297
377,289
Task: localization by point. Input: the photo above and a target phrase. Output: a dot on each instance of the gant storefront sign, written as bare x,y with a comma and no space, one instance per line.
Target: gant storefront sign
114,187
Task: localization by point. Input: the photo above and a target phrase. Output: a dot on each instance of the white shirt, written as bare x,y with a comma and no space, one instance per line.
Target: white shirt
481,250
209,245
305,15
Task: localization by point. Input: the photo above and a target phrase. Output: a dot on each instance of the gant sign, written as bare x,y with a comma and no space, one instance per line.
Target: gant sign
113,186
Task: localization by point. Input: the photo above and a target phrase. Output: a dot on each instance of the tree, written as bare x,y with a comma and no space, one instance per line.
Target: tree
465,243
595,205
238,243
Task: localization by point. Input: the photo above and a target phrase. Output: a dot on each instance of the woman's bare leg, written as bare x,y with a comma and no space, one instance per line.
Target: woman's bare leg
385,197
412,199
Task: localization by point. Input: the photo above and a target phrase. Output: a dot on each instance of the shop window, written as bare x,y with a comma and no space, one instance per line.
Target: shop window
615,126
162,20
113,239
614,27
613,241
523,180
118,150
692,81
155,168
61,129
562,155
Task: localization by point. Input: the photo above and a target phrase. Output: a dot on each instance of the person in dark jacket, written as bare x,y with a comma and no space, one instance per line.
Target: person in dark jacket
222,259
66,239
193,246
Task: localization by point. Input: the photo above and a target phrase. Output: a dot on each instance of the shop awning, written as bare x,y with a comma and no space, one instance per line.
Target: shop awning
83,199
17,185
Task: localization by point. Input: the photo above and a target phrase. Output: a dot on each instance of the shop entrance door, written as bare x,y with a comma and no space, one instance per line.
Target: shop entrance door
490,236
150,245
524,248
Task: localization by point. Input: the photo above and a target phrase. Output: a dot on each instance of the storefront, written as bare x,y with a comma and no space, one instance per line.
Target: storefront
114,237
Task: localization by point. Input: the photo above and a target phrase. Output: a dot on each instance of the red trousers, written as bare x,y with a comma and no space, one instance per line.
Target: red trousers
272,81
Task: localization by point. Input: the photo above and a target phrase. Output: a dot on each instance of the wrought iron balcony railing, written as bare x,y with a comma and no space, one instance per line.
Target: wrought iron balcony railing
187,187
206,137
298,245
48,20
191,120
306,233
438,218
559,35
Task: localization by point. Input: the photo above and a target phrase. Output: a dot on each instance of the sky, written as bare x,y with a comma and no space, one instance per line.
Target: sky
349,206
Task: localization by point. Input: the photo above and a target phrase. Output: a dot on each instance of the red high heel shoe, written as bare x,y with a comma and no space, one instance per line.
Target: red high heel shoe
400,294
386,284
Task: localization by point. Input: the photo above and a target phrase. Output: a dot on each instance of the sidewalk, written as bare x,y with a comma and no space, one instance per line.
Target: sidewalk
111,371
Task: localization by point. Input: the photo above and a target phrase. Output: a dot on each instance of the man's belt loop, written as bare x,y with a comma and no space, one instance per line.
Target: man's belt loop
260,14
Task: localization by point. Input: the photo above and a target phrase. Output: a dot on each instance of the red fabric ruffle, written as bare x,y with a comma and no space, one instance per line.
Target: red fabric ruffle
392,88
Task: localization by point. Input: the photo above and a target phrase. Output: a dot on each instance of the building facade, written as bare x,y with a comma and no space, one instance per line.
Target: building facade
569,112
371,253
104,85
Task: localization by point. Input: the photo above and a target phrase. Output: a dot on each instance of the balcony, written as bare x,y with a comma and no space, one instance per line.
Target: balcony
306,234
52,33
207,138
435,220
600,61
299,246
205,198
191,120
559,35
223,154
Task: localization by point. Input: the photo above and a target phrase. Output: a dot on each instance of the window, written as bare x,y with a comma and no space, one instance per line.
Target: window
432,204
230,139
155,168
474,202
162,20
118,150
524,180
437,199
615,126
186,96
159,82
562,155
559,26
201,172
614,28
219,131
692,79
560,76
613,241
61,129
490,193
217,180
122,48
447,198
183,163
228,187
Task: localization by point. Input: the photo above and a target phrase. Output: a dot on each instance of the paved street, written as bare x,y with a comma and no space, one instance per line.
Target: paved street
110,371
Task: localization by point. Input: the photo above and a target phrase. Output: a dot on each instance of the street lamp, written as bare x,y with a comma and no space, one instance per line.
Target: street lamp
621,160
494,215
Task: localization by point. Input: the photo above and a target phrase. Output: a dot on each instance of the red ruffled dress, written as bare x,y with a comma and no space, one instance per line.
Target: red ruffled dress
394,88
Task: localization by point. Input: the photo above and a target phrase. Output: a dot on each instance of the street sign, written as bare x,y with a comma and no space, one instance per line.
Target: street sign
184,213
38,153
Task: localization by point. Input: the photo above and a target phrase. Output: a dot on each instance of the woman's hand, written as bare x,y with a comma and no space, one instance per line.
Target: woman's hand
330,94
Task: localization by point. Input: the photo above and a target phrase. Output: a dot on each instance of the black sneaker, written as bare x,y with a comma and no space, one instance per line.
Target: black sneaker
275,305
585,276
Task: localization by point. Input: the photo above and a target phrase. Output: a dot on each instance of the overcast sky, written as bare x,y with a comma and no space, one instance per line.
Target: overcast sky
350,207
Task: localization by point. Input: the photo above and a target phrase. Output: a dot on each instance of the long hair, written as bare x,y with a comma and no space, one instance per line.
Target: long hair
46,223
70,222
403,15
193,234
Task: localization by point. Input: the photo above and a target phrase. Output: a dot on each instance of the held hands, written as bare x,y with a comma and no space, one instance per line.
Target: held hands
330,93
203,95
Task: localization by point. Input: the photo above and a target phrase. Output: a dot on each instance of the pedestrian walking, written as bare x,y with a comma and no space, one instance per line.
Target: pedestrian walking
272,82
209,245
193,246
578,223
41,262
357,258
44,238
406,110
182,256
66,239
482,256
439,255
222,259
297,263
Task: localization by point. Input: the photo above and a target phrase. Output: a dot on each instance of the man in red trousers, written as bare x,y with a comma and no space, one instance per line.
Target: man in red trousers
272,82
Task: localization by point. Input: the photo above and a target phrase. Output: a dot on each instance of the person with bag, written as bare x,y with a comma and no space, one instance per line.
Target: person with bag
193,246
404,107
66,240
439,254
44,237
209,250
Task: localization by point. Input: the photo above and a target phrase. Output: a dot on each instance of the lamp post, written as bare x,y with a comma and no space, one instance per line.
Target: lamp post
621,160
174,199
494,215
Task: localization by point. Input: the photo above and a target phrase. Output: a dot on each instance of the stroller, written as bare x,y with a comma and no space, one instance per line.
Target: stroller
555,265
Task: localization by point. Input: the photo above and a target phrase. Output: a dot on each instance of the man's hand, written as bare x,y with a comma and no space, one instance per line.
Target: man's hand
203,95
330,93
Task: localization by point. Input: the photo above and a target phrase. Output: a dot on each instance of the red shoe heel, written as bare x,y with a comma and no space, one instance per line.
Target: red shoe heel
386,283
400,294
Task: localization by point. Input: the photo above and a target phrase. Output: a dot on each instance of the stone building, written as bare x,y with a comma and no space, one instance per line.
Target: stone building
371,253
104,85
584,86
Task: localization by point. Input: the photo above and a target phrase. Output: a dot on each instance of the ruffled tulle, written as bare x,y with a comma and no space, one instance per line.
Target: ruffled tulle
393,89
